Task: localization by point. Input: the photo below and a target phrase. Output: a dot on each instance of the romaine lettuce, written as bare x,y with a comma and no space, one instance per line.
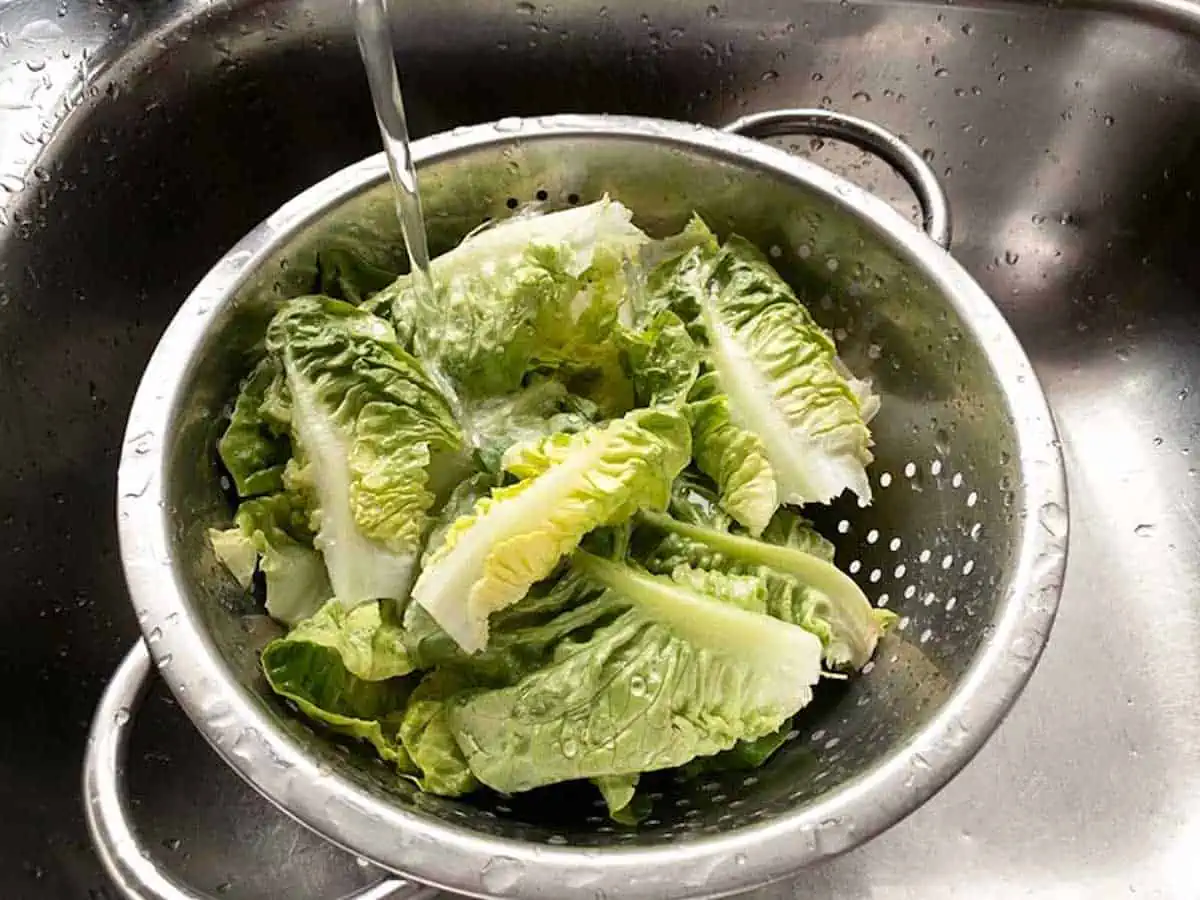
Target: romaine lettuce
680,675
372,435
270,536
800,582
776,416
572,485
531,292
254,449
581,446
313,676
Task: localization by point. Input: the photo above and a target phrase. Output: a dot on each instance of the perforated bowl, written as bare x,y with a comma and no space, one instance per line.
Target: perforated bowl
965,540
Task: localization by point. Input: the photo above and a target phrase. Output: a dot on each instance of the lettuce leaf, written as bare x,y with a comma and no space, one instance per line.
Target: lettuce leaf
270,536
373,438
530,292
368,638
625,805
426,735
776,416
679,675
345,275
663,359
533,412
800,583
313,676
572,485
254,449
522,637
744,755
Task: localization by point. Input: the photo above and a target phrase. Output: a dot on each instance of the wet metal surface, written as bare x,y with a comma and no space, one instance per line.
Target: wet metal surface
139,141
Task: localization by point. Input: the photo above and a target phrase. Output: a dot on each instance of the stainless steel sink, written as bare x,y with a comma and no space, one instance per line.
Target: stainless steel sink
138,141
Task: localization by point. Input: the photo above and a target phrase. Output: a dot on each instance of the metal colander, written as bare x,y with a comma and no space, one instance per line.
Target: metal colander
965,540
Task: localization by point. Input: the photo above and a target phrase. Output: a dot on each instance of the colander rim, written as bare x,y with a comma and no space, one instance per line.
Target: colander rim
456,858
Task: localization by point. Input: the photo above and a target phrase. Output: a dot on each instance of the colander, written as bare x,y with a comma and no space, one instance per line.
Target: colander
965,540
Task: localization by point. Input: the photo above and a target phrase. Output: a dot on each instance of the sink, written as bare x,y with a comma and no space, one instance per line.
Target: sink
139,141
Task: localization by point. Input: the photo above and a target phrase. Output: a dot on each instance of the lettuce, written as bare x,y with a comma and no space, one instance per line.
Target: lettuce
776,416
572,485
313,676
264,539
681,674
371,433
529,293
540,523
254,449
798,580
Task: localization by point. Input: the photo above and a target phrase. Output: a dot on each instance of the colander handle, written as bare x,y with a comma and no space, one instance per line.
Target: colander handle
106,804
825,123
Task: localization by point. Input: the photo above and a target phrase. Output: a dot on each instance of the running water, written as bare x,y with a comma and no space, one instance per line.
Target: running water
372,28
374,34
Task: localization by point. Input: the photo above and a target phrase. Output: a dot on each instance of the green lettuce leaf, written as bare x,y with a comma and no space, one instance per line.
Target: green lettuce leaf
368,638
799,582
522,637
625,805
345,275
426,735
530,292
270,536
254,449
743,757
374,439
776,416
664,360
735,457
315,679
536,411
679,675
695,499
572,485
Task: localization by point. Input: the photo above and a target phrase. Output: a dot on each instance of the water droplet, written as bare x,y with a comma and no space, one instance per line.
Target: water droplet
1038,219
941,72
927,154
1184,393
1011,258
172,843
1146,529
861,96
769,75
967,28
121,716
570,747
526,9
637,686
817,76
1158,441
501,873
35,65
1109,121
1122,353
712,12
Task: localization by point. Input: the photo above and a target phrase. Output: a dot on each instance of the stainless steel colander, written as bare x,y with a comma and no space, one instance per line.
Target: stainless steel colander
965,540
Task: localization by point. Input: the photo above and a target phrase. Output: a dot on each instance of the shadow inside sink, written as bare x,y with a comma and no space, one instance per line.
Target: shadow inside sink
1068,144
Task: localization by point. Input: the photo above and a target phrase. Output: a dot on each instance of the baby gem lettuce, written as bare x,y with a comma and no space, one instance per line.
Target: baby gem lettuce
541,524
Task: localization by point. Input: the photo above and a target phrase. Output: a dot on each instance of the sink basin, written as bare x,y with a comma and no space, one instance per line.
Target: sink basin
139,141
